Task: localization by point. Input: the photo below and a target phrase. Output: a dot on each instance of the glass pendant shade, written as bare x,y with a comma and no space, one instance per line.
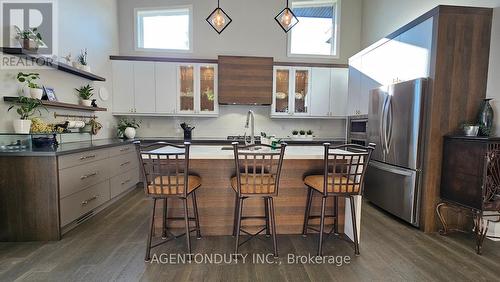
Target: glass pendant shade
218,19
286,19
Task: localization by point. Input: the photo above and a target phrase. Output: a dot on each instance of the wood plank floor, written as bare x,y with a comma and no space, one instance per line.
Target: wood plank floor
110,246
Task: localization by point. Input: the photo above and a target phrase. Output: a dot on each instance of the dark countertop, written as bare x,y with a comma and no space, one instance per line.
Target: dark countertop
77,147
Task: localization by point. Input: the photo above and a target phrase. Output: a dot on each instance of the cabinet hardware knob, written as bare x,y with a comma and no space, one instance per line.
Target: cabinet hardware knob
86,202
88,175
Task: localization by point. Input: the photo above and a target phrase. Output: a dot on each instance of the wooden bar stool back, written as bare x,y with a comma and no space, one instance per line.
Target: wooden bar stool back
258,170
344,173
165,171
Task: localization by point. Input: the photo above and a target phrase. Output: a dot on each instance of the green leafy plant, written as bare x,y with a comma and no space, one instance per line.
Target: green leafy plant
124,123
31,34
82,58
85,92
295,132
27,107
302,132
310,132
210,94
28,79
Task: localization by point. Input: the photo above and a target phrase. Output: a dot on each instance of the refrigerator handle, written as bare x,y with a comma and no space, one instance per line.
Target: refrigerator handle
389,123
383,132
381,127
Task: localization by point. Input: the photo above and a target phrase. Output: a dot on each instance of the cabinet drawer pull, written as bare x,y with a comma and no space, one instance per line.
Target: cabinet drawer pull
125,163
87,157
86,202
125,149
88,175
126,181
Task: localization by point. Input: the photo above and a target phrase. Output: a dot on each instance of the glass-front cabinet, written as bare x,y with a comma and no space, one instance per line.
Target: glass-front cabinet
291,91
197,92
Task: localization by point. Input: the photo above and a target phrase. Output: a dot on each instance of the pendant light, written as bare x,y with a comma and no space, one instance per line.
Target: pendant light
218,19
286,19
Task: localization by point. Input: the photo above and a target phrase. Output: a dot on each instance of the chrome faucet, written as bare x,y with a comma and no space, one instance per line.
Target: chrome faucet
250,117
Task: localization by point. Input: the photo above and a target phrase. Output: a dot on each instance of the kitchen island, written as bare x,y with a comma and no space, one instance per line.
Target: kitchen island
215,165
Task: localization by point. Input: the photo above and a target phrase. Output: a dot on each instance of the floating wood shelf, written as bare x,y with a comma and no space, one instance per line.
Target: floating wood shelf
60,105
55,65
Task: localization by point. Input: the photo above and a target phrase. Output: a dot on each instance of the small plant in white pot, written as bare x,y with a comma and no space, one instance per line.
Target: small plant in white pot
302,134
30,88
309,133
26,107
127,128
295,134
83,63
85,93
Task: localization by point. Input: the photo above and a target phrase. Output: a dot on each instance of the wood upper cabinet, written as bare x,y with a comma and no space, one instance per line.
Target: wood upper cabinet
245,80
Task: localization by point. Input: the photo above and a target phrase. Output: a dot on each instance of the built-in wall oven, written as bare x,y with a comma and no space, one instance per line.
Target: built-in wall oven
357,130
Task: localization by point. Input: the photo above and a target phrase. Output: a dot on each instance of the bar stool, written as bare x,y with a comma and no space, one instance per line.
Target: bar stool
165,170
257,175
344,173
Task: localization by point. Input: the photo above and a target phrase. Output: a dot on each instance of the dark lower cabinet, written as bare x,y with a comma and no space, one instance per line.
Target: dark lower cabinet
470,180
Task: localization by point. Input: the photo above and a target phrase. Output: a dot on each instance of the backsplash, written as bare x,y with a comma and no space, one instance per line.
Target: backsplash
231,121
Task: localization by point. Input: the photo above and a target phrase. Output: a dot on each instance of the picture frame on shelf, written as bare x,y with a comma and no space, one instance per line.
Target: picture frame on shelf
49,94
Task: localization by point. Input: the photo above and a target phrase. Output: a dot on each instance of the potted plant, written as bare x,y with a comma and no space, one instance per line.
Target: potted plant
26,107
295,133
30,88
30,39
127,128
85,93
309,133
82,61
302,134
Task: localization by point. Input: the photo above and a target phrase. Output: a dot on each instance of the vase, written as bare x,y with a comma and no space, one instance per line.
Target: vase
36,93
22,126
129,133
485,118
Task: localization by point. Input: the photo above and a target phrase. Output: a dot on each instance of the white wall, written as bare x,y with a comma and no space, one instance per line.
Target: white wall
253,31
91,24
232,122
381,17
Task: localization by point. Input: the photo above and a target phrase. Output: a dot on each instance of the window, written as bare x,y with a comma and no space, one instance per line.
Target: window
316,34
164,29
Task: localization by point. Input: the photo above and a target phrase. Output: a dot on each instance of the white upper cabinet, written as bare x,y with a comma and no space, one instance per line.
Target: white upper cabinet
354,86
309,92
144,87
166,88
123,87
338,92
320,92
197,90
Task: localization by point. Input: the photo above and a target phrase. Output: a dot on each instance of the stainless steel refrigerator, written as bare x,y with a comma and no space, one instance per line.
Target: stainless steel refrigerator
394,125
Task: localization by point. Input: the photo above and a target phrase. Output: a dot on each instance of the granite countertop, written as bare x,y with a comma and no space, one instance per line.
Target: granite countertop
76,147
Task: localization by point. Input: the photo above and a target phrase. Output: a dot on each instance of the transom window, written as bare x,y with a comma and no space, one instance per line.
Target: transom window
164,29
316,34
